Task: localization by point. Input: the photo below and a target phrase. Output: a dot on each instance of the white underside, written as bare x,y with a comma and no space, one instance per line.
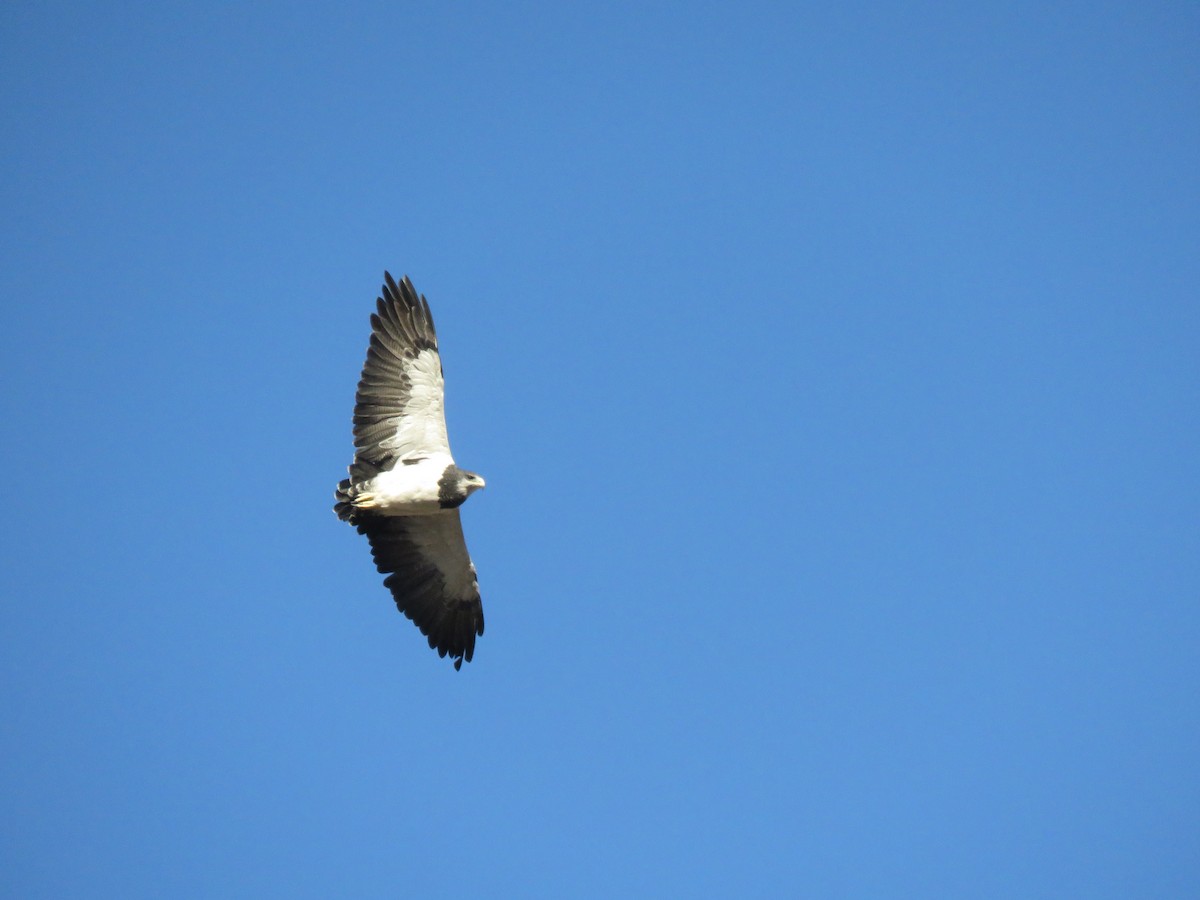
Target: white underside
405,490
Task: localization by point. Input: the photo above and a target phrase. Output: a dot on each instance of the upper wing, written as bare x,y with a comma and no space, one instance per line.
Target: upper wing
430,576
398,410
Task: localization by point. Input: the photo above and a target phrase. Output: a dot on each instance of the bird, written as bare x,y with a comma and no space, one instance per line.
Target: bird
404,489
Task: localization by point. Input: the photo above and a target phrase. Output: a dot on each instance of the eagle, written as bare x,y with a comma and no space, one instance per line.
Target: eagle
404,488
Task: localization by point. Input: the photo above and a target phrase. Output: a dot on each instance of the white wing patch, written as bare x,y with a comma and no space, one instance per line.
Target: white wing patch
421,425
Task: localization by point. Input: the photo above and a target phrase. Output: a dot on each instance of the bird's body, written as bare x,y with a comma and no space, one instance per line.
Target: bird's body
404,488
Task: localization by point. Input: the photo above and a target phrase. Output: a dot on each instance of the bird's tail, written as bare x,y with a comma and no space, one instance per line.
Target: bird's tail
345,502
361,471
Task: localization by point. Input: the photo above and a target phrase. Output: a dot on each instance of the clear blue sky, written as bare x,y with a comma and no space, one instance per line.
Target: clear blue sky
836,377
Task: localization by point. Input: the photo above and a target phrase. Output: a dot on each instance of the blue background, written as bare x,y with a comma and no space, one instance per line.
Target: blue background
836,377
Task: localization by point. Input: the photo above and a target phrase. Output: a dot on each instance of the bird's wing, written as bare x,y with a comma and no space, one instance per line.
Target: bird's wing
398,410
430,576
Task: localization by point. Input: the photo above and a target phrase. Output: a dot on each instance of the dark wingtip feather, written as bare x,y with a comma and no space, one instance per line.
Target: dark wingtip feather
389,285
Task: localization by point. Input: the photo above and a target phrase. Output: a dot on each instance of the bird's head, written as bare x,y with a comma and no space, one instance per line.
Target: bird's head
471,481
456,485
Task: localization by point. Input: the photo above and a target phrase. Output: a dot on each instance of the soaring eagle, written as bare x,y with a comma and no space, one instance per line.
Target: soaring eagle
404,489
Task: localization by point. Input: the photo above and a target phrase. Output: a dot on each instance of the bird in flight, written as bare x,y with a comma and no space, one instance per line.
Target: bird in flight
404,489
